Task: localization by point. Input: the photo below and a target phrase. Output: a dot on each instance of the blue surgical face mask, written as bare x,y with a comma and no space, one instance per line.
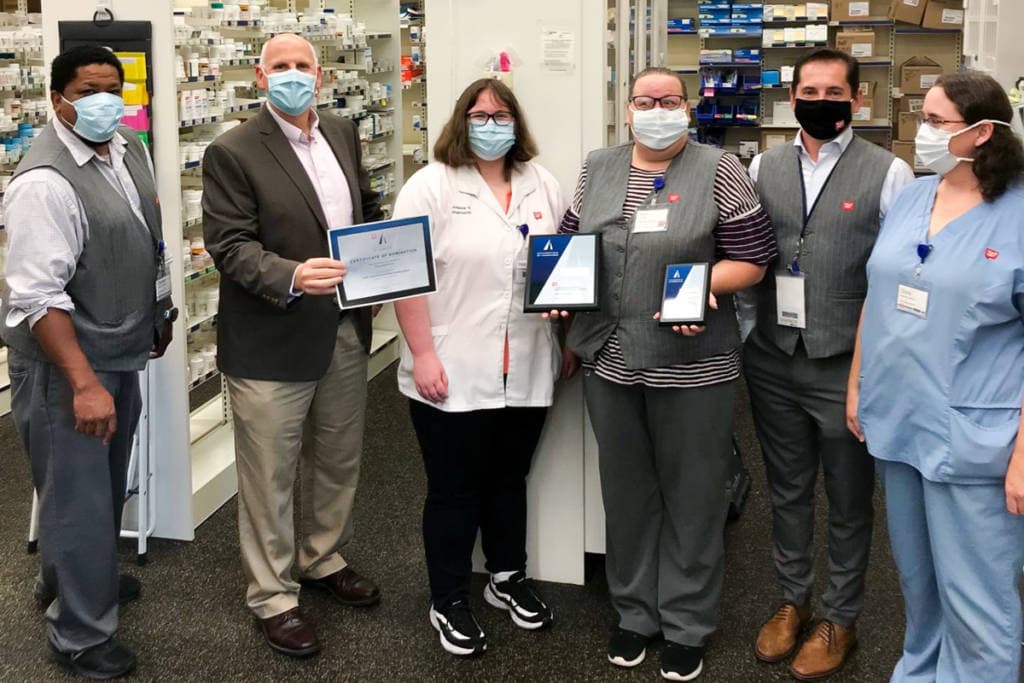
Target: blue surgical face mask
291,91
98,116
491,141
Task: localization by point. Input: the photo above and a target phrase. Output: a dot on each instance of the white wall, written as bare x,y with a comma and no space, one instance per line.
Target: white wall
564,110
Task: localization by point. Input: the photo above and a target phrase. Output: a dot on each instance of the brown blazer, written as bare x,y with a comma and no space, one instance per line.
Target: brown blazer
261,218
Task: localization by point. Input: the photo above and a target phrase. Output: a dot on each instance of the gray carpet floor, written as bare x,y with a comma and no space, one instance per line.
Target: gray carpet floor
191,624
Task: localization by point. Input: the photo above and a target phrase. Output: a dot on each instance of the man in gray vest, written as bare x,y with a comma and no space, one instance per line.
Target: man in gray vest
87,304
826,195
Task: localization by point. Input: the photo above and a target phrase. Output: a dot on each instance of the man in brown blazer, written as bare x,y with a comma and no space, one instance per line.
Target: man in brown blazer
295,364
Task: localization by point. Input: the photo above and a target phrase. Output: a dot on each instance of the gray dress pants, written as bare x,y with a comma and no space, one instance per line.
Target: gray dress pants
664,456
799,408
80,482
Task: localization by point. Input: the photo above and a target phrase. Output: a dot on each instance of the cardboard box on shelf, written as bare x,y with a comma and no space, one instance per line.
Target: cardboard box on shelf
782,114
817,33
911,103
904,150
908,11
776,138
940,14
851,10
918,74
867,89
817,10
906,126
866,111
859,44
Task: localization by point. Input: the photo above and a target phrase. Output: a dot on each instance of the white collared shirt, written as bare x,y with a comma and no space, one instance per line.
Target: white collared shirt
480,258
816,173
324,173
47,227
322,168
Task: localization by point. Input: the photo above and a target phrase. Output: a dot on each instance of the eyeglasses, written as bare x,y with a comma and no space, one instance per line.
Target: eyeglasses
645,103
480,118
935,120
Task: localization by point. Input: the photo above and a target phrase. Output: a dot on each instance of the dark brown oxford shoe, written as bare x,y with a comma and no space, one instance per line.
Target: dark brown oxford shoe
289,633
347,587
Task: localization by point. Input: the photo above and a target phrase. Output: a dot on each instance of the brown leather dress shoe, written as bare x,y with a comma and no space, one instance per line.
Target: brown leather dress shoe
777,638
347,587
824,652
289,633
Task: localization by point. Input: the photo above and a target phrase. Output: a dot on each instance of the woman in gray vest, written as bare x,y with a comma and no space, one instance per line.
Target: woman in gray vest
661,398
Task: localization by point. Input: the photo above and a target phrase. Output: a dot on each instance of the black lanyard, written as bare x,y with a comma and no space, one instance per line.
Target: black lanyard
794,265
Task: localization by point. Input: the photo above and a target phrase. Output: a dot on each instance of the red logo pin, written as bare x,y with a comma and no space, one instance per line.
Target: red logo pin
848,205
991,254
673,199
538,215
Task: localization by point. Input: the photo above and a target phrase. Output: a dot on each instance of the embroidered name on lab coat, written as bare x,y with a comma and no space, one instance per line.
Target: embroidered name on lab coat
461,210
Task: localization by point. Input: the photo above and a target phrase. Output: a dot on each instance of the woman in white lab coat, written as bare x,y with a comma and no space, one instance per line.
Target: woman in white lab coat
478,371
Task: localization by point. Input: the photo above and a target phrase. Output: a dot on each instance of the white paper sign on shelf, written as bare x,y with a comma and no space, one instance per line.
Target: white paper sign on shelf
558,49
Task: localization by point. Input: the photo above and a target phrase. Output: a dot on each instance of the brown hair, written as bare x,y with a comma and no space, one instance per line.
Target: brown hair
452,146
659,71
827,54
999,162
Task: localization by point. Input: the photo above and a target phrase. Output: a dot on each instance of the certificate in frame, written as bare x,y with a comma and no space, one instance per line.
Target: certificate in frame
684,298
386,261
562,273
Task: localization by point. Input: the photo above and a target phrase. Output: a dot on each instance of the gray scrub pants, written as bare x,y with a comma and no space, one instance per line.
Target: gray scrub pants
799,408
80,483
664,457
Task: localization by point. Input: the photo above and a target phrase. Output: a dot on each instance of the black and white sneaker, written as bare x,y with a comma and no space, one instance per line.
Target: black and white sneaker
518,596
627,648
459,630
681,662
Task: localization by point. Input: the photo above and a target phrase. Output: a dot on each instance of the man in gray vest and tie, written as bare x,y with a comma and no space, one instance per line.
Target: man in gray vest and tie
826,195
87,304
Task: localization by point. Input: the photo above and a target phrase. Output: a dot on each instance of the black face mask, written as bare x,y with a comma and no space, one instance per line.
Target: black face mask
824,119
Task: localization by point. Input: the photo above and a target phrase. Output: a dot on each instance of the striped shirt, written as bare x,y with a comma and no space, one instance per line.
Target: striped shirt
743,233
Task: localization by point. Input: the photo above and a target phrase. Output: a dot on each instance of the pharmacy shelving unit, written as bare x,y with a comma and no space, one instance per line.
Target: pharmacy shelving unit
894,43
415,152
25,100
369,60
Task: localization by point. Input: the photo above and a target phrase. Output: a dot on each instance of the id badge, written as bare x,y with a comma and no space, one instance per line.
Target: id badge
789,300
163,279
651,219
912,296
519,272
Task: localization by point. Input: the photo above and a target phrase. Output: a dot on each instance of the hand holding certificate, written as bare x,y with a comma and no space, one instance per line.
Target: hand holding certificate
385,261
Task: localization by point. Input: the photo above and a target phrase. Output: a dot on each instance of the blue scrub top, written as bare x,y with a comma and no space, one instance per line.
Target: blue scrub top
943,393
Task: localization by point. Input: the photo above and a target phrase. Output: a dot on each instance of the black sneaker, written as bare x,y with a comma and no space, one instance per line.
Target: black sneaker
681,662
109,659
459,630
518,596
627,648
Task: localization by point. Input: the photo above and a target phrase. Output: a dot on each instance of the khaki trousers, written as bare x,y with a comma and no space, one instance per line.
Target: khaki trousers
319,427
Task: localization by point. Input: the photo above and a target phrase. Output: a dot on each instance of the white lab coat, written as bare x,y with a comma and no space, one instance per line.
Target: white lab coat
480,256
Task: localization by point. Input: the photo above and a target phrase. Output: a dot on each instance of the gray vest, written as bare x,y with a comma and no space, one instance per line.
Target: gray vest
633,266
840,234
114,285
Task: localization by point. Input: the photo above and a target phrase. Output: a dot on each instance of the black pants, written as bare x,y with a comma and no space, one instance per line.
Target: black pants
476,465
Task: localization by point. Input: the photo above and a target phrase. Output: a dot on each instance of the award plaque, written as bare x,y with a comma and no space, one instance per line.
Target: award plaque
562,272
386,261
685,294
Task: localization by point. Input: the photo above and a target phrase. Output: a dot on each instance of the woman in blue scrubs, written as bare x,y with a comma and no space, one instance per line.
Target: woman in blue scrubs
937,383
